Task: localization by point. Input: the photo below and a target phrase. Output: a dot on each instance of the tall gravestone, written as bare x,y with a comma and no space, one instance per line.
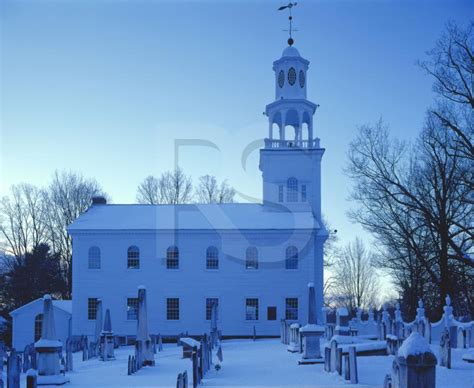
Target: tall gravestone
445,350
49,349
311,333
107,339
342,321
144,346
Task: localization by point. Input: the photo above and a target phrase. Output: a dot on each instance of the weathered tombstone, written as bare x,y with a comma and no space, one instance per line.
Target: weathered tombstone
195,368
461,338
13,370
453,336
160,343
31,378
49,349
311,333
342,321
333,355
416,364
347,373
445,350
143,344
327,359
107,339
354,376
294,345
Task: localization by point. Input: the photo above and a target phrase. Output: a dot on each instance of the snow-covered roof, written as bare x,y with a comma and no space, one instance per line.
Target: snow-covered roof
193,216
65,305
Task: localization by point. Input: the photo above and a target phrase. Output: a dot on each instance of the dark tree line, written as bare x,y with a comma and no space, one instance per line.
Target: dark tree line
417,200
37,250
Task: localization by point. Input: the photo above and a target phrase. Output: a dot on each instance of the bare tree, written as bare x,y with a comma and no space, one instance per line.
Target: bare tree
172,187
21,220
209,191
148,191
414,200
355,282
68,196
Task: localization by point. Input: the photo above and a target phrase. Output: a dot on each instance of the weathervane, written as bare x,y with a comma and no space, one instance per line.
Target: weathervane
290,18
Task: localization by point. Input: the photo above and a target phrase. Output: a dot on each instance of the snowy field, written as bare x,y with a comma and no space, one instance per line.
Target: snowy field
264,363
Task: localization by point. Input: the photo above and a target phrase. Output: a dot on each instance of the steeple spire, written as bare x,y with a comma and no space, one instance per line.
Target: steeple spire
290,20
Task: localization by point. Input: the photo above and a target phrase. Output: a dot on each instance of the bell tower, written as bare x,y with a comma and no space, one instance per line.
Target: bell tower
291,159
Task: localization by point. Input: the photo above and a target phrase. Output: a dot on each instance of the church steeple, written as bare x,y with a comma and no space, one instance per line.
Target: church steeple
291,107
291,159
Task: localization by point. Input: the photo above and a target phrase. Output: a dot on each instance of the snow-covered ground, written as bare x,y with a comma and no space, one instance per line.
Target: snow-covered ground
263,363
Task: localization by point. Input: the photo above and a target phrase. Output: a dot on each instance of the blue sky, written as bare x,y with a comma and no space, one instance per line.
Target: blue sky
105,88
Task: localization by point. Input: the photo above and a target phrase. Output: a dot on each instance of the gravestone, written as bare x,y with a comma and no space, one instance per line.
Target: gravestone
107,339
160,343
327,359
49,349
445,350
294,345
347,373
31,378
13,370
461,338
415,364
311,333
342,321
333,355
354,375
143,345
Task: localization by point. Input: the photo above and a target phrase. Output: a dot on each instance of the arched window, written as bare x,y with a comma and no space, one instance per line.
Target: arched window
172,257
133,257
291,261
94,258
292,190
38,326
251,258
212,258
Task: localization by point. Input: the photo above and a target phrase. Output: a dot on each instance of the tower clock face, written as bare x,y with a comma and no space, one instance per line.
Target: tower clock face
302,78
281,78
291,76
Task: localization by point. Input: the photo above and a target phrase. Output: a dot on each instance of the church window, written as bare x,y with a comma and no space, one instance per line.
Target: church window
92,308
280,193
133,258
302,78
251,309
291,76
212,258
38,326
292,190
291,309
251,258
172,257
94,258
291,261
281,78
209,303
172,309
132,309
303,193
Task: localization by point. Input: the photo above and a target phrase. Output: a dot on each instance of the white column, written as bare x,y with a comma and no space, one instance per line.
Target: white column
270,128
282,127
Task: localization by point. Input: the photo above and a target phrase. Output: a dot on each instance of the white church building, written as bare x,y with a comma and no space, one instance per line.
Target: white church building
255,260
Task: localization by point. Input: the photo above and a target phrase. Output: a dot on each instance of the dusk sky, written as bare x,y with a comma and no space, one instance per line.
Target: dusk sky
106,88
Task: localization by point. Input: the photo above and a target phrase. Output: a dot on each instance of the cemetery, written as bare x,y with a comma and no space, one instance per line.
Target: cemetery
382,351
